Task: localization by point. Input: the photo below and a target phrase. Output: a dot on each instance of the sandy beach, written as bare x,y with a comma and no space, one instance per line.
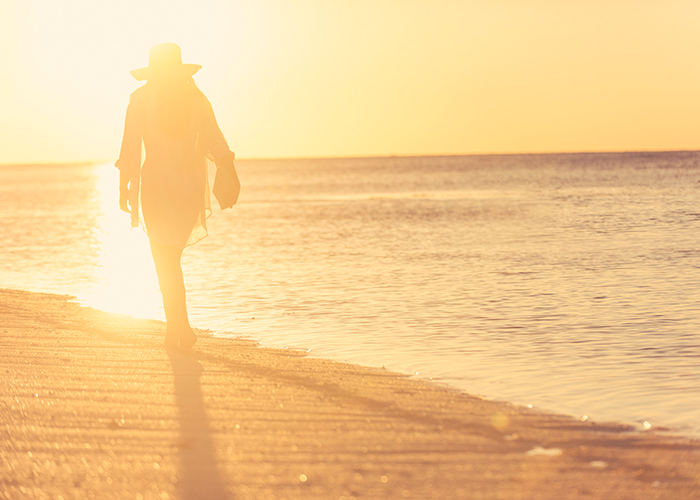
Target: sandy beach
93,407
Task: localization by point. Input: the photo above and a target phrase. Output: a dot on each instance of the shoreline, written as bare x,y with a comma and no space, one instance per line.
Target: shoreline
633,426
92,406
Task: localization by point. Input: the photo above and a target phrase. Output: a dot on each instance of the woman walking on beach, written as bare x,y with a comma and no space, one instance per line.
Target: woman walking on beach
176,124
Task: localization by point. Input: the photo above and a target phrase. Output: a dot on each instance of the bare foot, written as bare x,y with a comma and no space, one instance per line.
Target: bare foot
170,342
187,340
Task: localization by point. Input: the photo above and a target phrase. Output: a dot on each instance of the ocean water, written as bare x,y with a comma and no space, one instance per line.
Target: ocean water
568,282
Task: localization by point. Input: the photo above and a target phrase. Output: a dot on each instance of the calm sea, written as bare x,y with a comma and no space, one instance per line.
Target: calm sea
569,282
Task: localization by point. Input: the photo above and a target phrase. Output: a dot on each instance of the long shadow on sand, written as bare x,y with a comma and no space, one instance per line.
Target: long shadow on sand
199,476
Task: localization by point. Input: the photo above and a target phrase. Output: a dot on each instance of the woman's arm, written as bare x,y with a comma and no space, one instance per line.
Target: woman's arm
124,191
218,151
129,162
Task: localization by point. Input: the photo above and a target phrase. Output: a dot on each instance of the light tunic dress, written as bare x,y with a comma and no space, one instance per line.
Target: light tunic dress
171,189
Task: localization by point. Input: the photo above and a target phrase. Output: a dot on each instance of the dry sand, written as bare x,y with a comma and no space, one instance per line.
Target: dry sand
91,406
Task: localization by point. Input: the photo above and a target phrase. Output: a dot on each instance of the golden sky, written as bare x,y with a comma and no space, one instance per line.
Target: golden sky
298,78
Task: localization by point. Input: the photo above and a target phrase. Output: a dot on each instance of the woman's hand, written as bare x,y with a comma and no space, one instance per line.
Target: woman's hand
124,193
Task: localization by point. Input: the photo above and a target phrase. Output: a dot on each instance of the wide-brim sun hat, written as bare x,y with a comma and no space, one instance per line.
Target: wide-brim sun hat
165,59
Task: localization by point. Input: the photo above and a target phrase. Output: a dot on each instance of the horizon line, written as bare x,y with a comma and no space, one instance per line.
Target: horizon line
436,155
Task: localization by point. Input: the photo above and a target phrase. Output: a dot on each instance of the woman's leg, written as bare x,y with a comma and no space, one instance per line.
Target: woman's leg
172,288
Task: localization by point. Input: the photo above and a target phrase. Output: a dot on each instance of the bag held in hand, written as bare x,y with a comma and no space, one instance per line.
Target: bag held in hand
226,187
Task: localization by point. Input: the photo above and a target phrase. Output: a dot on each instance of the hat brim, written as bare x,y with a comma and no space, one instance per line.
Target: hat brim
177,70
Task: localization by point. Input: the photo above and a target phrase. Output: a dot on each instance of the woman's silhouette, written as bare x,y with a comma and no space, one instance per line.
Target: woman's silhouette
175,123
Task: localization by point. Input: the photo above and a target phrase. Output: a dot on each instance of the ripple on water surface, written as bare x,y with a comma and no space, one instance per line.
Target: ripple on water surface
564,281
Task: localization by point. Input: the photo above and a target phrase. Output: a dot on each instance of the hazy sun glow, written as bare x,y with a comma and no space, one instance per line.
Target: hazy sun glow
125,280
338,78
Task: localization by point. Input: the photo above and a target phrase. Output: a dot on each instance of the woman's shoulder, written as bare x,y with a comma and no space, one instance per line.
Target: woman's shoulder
139,94
201,98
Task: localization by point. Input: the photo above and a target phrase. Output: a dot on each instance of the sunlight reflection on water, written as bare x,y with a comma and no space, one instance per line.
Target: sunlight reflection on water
125,280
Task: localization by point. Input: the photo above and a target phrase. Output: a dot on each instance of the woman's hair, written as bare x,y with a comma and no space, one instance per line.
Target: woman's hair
173,100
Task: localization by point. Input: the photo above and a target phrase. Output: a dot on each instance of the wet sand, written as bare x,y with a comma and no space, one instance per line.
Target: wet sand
91,406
